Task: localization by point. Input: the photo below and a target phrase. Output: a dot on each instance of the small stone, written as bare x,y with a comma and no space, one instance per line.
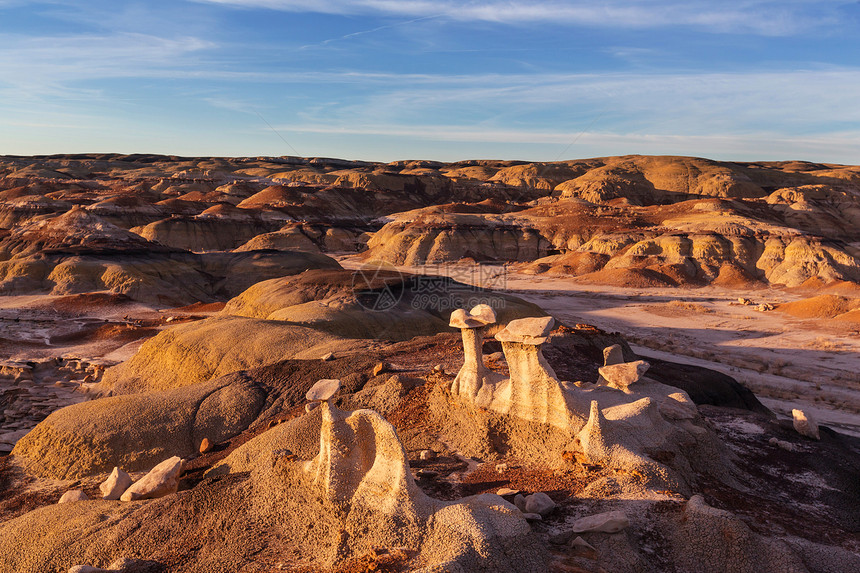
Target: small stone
161,480
87,569
532,516
426,474
205,446
438,368
609,522
507,491
327,357
501,468
613,355
539,502
787,446
621,376
116,483
323,390
764,307
745,301
805,424
427,454
73,495
579,547
379,368
520,502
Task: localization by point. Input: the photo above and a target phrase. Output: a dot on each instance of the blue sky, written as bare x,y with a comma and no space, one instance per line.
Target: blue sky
385,80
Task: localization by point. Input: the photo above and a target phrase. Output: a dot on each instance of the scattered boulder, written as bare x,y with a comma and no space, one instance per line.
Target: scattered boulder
539,502
379,368
327,357
162,480
581,548
73,495
805,424
323,390
520,502
116,483
427,455
622,375
609,522
205,446
504,491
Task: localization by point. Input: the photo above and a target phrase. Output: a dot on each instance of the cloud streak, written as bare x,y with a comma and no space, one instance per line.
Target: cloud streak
765,17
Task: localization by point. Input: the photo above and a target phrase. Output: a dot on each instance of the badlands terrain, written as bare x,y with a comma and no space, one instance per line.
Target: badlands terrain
304,364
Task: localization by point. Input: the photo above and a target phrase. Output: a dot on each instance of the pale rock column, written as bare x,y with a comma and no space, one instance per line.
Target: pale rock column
532,392
361,462
474,376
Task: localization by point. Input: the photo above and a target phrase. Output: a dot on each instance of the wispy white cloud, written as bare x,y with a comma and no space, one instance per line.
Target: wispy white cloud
39,65
753,16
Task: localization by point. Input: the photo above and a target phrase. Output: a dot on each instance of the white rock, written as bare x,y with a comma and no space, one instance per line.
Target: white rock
483,313
787,446
609,522
116,483
527,330
805,424
613,355
327,357
507,491
427,454
73,495
323,390
161,480
480,315
539,502
621,376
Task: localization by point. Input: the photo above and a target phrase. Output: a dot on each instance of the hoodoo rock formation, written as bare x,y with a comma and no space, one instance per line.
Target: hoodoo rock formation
254,364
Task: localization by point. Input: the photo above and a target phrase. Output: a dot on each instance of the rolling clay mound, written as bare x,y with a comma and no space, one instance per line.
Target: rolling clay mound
822,306
635,278
275,196
198,351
